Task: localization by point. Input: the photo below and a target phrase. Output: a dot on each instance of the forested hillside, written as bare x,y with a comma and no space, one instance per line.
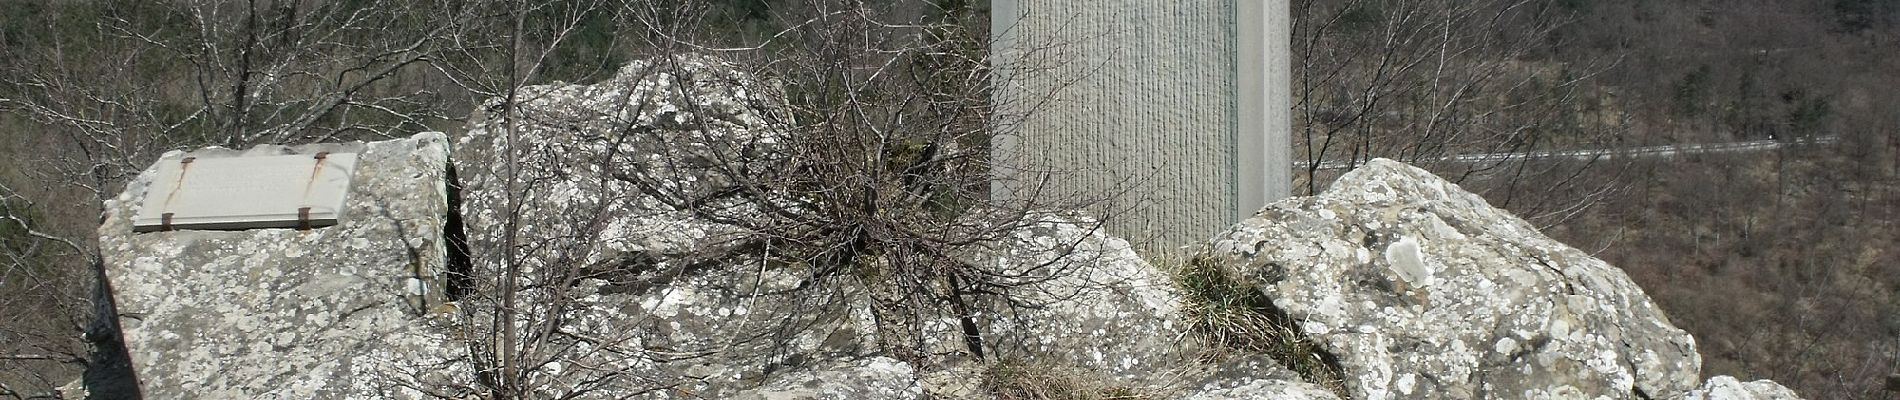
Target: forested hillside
1782,263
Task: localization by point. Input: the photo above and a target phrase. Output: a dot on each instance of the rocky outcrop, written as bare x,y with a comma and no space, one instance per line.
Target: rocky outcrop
1092,304
330,312
599,289
658,313
666,121
650,302
1083,303
647,288
1422,290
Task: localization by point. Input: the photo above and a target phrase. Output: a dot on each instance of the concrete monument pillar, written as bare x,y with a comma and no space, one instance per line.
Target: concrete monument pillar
1177,112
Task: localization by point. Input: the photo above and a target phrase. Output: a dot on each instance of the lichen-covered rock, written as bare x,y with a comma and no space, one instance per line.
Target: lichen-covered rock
666,122
1085,301
1422,290
633,296
959,381
1726,387
1265,389
873,378
330,313
1254,376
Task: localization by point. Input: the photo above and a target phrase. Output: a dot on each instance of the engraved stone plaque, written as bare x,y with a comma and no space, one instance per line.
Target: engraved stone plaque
228,193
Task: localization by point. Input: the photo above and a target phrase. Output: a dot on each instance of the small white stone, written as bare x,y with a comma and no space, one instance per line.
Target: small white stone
1408,262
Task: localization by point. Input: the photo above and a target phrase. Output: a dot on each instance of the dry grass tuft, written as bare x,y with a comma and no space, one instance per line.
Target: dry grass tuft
1232,317
1016,380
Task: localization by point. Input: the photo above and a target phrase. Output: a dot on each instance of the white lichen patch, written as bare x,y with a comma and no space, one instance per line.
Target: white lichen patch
1505,345
1407,262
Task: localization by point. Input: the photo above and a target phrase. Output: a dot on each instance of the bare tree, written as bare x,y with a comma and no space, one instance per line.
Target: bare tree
1420,81
881,181
38,348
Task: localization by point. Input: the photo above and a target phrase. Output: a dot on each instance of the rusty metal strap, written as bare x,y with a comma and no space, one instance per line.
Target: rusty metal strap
165,222
303,218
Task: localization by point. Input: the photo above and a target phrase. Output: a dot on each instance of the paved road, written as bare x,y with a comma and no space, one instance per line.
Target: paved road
1664,151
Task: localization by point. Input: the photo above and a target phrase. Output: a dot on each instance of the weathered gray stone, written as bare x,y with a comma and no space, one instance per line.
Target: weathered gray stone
571,139
1256,376
1265,389
959,381
873,378
1089,303
645,301
1724,387
72,390
335,312
1099,308
1422,290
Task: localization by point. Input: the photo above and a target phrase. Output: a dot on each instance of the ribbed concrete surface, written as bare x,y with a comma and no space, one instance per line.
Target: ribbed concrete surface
1133,100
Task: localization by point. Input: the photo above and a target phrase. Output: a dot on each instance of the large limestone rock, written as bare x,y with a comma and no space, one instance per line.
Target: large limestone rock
646,306
1088,306
652,311
332,313
1083,300
574,149
1422,290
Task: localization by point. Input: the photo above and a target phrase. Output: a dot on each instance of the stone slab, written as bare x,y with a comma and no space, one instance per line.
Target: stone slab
235,193
329,313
